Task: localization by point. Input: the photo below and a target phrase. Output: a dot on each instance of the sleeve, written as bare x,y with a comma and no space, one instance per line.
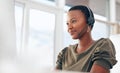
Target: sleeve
60,58
104,54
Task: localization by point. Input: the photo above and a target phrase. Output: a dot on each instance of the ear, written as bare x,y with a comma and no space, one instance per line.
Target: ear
89,29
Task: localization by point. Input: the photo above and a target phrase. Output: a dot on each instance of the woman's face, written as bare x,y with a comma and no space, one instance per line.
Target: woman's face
76,23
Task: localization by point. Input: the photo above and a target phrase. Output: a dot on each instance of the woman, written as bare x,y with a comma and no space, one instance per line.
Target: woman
88,55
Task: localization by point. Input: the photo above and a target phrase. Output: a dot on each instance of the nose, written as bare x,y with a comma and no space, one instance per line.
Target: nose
69,26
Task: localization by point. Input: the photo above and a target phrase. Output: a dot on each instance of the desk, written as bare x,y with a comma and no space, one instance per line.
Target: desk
60,72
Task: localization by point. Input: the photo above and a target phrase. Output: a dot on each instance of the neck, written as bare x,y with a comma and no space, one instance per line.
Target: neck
85,41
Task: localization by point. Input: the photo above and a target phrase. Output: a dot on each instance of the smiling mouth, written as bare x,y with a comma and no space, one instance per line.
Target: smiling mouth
71,32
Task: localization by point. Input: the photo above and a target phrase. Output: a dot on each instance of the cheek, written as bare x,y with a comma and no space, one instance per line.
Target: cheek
78,25
82,22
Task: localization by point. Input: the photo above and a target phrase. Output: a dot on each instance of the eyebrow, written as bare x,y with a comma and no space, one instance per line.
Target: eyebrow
71,19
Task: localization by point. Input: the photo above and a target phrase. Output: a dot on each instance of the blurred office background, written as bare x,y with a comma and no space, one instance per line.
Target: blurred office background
32,32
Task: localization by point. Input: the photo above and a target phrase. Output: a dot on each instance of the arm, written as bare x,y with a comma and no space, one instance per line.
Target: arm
99,69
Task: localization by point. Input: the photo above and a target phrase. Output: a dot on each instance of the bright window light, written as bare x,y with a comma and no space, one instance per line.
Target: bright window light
40,40
18,22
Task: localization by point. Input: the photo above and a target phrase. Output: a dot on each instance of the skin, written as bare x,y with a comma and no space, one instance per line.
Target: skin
79,29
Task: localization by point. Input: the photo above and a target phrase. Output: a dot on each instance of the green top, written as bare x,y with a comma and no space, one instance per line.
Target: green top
102,52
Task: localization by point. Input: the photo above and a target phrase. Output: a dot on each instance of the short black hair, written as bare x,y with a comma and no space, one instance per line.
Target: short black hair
87,12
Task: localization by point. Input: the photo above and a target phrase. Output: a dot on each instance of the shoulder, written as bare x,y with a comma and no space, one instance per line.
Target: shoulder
66,49
106,45
60,58
61,53
105,42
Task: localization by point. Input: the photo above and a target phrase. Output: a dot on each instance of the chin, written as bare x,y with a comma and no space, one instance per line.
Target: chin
74,37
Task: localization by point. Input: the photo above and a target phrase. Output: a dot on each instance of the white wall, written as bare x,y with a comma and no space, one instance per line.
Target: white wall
7,35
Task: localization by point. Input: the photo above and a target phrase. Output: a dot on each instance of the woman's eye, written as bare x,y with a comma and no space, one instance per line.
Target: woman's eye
73,21
67,23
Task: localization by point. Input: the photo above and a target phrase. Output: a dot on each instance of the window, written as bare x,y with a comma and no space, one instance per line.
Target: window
48,2
100,30
18,22
35,36
40,40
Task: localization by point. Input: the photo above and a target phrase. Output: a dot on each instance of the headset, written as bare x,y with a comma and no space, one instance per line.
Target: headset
90,22
90,19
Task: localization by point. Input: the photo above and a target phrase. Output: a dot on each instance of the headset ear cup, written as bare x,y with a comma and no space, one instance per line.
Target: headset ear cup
90,21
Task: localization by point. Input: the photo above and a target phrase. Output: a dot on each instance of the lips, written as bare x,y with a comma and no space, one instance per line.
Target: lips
72,32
